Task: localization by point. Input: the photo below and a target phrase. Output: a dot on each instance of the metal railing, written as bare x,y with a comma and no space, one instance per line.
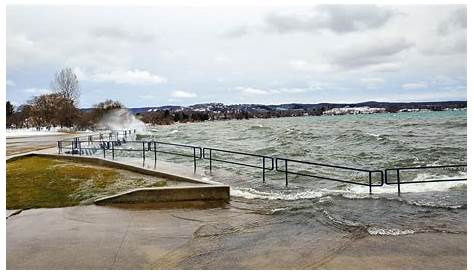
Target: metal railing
370,182
113,141
103,136
263,159
399,182
115,146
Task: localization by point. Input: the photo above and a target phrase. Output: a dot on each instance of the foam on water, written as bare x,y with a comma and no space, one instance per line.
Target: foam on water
292,195
389,231
250,193
417,187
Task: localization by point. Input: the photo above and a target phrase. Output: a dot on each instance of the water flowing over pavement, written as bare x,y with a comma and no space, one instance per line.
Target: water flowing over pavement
240,236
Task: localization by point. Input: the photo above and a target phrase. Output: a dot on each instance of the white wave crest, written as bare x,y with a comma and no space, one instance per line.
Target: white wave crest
372,134
418,187
250,193
389,231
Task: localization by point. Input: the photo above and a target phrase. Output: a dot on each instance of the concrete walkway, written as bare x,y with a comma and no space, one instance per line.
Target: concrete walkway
234,237
21,144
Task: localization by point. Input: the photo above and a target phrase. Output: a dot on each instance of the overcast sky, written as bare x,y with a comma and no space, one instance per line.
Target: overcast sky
151,56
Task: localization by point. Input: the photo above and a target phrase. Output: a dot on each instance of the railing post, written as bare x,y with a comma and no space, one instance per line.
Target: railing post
370,182
103,148
113,151
143,146
398,181
154,149
286,172
263,171
194,157
210,160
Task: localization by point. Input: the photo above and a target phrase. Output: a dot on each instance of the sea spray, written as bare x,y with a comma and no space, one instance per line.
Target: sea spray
118,119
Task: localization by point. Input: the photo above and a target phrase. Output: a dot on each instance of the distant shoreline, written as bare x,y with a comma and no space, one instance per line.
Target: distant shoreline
277,117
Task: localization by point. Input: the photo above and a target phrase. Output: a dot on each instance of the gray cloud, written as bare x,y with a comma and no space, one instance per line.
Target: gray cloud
448,46
335,18
114,33
376,53
456,21
451,38
236,32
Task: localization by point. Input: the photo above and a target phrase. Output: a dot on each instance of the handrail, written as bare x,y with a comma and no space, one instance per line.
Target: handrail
263,158
398,182
102,135
112,145
76,147
370,183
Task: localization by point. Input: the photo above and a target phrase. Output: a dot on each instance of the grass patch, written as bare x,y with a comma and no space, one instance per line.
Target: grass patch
35,182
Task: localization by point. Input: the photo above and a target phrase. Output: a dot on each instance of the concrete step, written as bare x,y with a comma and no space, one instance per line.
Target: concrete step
185,196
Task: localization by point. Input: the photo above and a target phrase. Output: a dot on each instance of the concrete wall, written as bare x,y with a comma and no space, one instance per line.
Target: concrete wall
169,194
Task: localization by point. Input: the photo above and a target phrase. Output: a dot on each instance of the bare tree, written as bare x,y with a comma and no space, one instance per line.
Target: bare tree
108,105
66,83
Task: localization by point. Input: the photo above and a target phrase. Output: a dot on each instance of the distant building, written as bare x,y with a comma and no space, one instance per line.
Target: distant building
353,110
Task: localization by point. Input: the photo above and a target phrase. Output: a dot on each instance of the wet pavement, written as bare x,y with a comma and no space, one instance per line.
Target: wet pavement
22,144
238,236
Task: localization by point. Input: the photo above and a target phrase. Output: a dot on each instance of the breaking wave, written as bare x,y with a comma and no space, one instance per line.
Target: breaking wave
119,119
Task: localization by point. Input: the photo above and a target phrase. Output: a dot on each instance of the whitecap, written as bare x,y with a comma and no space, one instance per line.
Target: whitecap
417,187
373,134
389,231
250,193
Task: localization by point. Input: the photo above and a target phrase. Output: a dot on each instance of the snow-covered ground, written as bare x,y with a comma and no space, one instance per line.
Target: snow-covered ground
34,132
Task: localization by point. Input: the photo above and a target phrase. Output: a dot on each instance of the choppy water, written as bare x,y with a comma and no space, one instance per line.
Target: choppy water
376,141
